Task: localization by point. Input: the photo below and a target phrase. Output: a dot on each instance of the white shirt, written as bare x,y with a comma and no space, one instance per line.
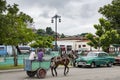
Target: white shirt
32,55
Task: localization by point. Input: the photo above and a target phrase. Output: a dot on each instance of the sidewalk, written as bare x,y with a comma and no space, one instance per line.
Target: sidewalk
11,70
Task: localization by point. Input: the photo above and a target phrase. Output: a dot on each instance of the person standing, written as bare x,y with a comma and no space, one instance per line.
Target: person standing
40,55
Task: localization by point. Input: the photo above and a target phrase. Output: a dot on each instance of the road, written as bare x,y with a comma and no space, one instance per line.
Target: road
101,73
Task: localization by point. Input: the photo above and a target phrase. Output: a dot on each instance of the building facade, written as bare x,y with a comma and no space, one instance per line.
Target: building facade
74,43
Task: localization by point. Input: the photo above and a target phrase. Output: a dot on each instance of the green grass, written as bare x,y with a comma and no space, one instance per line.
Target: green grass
7,67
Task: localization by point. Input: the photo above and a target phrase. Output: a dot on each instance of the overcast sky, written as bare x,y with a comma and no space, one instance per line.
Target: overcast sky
77,16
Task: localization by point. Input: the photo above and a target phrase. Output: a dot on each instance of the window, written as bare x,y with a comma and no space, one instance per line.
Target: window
62,47
92,54
79,46
84,45
69,47
102,54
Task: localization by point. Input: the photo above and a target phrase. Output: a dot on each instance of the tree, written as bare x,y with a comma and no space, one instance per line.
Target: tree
112,13
94,41
43,42
105,35
109,38
43,39
108,31
62,35
49,31
83,34
41,32
13,26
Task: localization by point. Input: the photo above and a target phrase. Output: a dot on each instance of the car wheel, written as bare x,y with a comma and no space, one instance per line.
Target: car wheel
75,64
109,64
92,65
80,66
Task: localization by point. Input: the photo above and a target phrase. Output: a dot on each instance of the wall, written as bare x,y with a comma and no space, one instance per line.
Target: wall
76,44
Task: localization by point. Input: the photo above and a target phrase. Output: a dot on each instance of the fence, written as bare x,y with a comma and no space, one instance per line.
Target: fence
9,60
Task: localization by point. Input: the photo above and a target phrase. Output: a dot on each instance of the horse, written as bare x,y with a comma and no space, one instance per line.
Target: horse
61,60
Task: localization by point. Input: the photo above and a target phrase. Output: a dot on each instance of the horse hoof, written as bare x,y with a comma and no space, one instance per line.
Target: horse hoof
64,74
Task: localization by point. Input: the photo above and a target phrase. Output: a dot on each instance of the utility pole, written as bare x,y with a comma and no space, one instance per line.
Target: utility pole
56,18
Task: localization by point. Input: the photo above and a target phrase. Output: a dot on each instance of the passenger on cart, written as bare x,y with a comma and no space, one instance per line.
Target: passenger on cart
40,54
32,55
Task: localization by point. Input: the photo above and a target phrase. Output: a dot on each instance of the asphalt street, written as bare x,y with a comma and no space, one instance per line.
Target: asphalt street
101,73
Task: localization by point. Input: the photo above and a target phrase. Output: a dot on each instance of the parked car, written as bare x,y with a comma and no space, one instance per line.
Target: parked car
94,59
117,59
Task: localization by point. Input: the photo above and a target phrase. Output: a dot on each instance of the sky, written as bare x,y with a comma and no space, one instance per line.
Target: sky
77,16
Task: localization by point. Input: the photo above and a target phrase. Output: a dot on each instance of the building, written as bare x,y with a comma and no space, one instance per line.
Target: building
74,43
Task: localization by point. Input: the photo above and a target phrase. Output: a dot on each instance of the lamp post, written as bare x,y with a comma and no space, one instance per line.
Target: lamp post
56,18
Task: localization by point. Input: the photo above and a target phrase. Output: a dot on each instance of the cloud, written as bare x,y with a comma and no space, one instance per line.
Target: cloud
78,16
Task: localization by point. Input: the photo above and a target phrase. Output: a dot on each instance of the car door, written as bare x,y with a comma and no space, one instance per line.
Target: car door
102,59
99,61
107,58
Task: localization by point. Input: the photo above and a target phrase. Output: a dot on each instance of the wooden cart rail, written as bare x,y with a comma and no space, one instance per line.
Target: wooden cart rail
33,65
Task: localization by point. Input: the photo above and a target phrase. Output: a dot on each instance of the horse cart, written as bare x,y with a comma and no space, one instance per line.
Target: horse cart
35,67
39,68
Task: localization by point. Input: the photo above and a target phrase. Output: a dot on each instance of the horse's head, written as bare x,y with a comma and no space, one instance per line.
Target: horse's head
72,55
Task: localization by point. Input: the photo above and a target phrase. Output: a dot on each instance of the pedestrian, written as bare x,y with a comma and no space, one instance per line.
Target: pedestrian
40,55
32,55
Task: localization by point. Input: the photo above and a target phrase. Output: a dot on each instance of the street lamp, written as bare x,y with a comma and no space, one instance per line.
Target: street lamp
56,17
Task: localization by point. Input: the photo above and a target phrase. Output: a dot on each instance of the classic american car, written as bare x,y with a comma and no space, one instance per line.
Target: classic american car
117,59
94,59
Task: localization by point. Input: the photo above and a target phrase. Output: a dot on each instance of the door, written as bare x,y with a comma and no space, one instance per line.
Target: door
102,58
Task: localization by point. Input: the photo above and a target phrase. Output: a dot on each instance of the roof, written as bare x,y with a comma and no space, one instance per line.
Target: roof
73,38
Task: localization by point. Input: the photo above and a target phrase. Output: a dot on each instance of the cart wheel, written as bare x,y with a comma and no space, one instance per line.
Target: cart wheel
41,73
31,73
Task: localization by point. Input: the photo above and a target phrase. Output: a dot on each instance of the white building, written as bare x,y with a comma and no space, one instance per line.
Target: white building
74,43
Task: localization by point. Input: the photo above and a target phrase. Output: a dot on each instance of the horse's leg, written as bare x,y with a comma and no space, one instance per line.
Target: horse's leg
55,70
65,71
66,68
52,71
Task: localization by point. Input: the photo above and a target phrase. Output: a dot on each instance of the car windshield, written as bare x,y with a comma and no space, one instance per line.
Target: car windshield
92,54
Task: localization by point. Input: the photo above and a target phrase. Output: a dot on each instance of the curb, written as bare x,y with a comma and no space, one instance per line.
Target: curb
11,70
17,70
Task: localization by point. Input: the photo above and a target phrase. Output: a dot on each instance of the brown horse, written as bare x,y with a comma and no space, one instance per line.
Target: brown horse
61,60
